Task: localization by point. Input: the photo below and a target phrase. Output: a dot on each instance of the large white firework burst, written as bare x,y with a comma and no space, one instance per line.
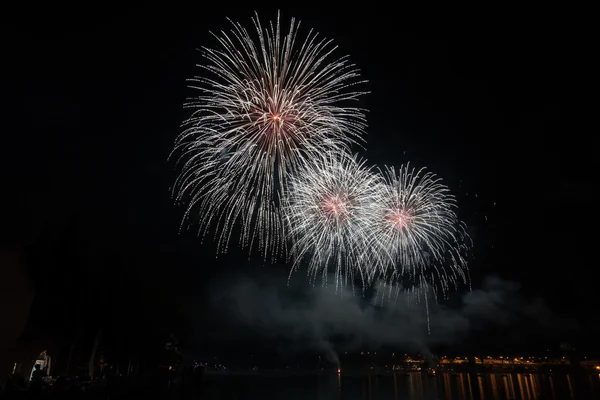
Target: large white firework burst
325,209
415,233
269,102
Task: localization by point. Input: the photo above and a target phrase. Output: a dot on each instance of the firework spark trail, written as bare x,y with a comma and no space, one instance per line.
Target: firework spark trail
325,209
415,233
273,102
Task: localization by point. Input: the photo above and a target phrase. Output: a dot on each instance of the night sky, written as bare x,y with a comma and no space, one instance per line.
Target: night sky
492,103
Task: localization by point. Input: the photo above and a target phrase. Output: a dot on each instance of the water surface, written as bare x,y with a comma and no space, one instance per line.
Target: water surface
403,386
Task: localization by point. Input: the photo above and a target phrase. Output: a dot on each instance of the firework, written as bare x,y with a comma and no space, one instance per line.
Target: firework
325,209
271,103
414,231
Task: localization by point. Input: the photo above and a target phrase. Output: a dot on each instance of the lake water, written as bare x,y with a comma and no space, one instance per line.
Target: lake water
404,386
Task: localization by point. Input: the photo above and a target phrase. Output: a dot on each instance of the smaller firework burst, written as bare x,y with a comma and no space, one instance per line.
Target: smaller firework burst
414,232
325,212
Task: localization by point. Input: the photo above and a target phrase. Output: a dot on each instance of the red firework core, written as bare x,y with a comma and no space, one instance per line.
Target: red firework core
399,218
335,207
277,122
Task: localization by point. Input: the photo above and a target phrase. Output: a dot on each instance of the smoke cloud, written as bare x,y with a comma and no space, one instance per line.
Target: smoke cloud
321,319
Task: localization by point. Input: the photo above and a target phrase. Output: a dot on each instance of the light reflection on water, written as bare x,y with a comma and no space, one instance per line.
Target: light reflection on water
459,386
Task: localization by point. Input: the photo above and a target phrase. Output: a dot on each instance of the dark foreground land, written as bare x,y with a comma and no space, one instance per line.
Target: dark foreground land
415,385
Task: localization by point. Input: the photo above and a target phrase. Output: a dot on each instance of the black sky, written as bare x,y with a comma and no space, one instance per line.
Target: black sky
491,101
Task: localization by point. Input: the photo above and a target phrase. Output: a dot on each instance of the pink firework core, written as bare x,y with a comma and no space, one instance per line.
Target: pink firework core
335,207
400,219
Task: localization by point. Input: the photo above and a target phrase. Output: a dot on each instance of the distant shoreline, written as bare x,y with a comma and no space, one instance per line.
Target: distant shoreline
350,372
